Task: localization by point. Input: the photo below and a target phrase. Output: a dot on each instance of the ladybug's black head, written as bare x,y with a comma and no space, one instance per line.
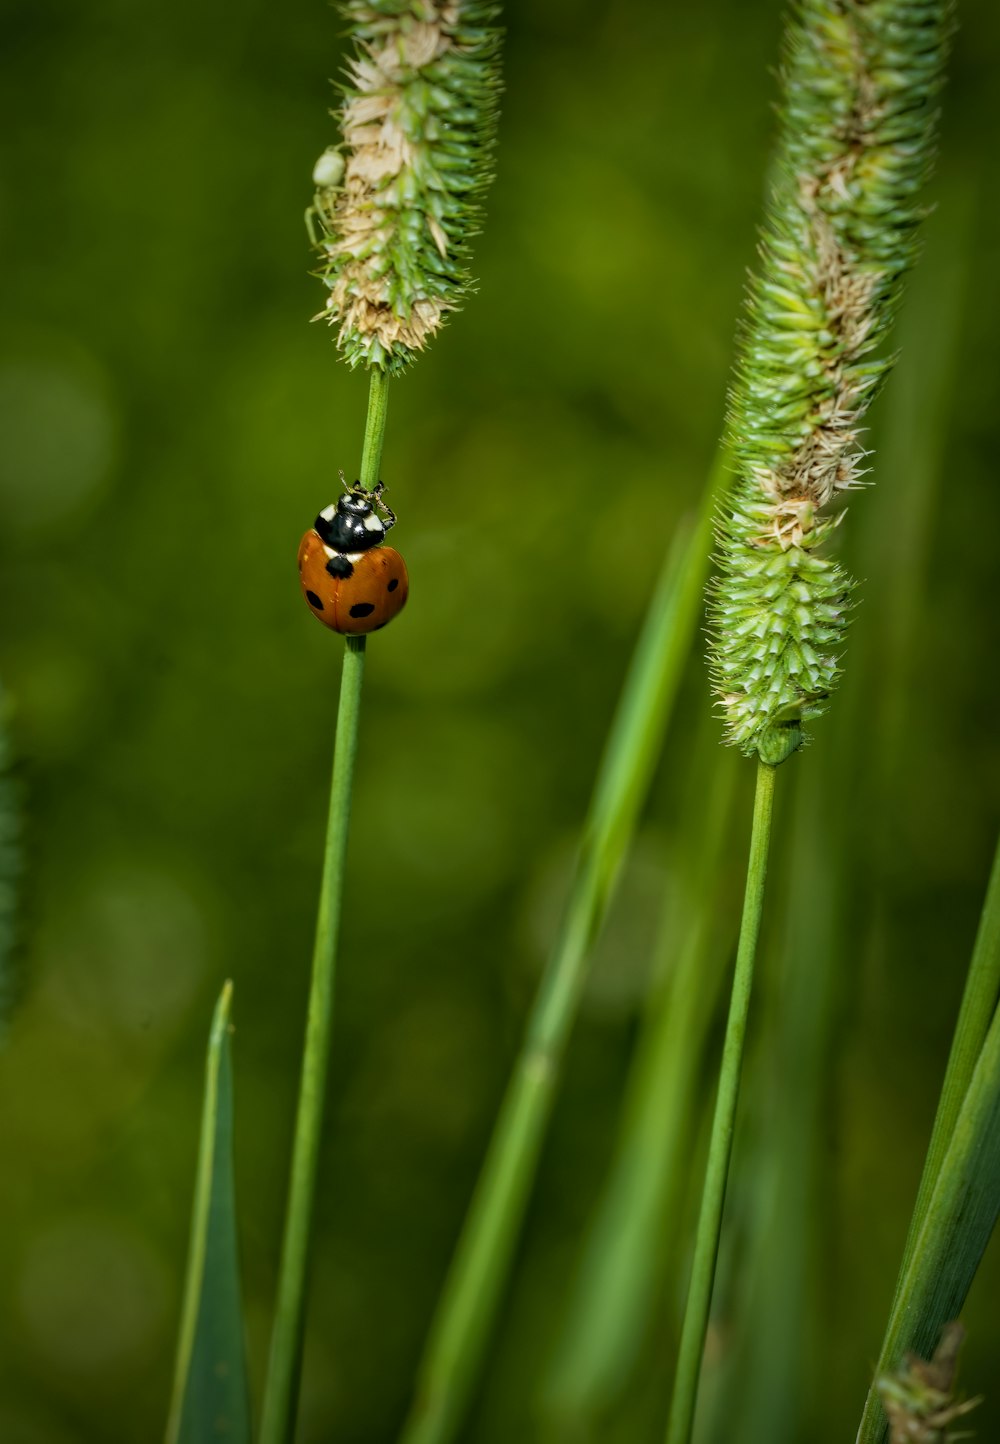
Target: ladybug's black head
355,503
351,525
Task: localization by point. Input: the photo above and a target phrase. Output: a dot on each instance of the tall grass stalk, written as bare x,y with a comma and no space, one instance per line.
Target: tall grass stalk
397,204
706,1246
465,1315
284,1364
860,80
770,1379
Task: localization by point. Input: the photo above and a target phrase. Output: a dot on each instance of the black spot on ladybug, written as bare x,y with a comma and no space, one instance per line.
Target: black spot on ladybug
362,609
339,566
314,601
393,585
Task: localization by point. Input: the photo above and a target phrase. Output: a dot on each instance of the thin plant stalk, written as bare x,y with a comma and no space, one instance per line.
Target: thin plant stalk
772,1264
284,1365
706,1248
371,451
471,1297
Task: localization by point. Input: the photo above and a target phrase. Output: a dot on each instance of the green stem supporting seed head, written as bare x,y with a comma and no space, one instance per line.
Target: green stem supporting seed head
860,81
419,124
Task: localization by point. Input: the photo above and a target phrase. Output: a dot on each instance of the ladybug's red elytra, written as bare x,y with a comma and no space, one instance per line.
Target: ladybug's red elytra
351,580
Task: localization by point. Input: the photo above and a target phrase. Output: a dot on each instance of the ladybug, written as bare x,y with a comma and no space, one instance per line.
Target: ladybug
352,581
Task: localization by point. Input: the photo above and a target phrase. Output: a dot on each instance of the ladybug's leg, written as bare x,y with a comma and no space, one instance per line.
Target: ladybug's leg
390,515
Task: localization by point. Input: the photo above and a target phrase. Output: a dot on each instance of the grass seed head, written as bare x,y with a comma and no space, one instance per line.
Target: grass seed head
418,123
860,81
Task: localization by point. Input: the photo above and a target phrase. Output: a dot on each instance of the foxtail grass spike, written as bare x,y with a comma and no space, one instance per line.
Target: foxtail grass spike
398,205
860,81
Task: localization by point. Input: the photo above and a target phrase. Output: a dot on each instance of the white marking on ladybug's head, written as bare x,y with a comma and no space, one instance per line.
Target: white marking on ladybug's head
354,557
373,523
329,512
329,550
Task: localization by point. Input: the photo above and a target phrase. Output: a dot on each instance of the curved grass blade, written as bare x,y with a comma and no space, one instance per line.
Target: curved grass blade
10,870
211,1400
961,1210
449,1372
627,1250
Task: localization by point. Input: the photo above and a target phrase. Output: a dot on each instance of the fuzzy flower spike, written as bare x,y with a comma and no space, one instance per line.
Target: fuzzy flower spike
398,209
859,85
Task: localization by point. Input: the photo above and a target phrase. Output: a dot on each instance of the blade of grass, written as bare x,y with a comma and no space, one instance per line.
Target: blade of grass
959,1209
974,1018
450,1368
210,1398
284,1365
706,1246
610,1308
979,1002
10,870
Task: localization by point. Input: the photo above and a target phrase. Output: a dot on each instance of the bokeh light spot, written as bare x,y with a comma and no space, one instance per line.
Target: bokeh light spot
59,430
92,1295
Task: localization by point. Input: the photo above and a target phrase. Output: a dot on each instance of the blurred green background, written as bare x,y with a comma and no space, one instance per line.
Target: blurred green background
170,425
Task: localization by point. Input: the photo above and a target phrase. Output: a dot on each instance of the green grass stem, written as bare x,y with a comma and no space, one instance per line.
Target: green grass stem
468,1306
378,405
284,1364
706,1249
771,1378
959,1196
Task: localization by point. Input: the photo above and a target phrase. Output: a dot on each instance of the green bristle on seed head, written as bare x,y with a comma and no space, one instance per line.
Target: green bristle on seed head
860,81
419,123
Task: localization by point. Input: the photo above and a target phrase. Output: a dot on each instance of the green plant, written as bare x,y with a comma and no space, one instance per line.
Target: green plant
10,864
959,1197
398,216
211,1397
454,1354
418,123
859,88
919,1396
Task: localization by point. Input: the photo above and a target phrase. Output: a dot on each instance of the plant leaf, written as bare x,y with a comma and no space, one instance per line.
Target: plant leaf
961,1211
10,870
211,1400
